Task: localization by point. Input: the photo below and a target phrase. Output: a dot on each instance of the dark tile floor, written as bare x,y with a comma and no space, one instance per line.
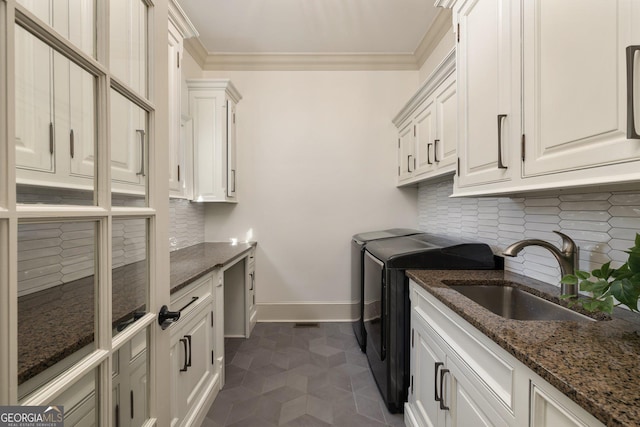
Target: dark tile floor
298,376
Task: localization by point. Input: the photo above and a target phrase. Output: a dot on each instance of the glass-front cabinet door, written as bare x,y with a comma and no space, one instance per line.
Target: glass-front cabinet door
84,209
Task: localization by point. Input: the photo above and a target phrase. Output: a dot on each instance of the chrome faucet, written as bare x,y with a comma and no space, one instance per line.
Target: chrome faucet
567,257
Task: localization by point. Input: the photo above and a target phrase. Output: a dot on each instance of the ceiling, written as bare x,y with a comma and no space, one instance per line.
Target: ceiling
310,26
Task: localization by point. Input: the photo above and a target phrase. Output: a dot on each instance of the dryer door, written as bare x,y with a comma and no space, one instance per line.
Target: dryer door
374,304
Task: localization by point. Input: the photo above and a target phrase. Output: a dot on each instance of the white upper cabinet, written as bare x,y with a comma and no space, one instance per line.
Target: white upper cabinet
212,110
548,94
128,143
34,104
575,84
180,166
427,133
128,43
487,92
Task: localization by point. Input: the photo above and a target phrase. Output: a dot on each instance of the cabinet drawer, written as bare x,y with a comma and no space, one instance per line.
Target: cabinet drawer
549,407
494,372
196,294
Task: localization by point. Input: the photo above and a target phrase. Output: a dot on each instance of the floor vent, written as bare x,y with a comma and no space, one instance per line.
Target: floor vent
306,325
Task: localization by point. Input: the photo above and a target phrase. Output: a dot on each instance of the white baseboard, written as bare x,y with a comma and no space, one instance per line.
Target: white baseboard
307,312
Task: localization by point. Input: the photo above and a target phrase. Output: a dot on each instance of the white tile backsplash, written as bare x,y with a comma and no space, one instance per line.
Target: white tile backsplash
54,253
602,224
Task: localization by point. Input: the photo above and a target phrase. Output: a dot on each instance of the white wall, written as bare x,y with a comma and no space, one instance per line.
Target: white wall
317,164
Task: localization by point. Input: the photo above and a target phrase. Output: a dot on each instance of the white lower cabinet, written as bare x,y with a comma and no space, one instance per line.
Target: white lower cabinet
444,391
460,377
195,371
250,299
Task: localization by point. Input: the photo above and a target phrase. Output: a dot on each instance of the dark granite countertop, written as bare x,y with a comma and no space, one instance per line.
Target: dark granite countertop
595,364
57,322
191,263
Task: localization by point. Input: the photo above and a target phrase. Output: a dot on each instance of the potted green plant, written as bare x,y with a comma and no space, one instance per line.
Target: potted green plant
606,283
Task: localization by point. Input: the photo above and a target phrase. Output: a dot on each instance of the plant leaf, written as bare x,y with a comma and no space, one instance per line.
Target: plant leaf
569,279
626,292
634,260
604,272
597,288
637,240
592,304
582,275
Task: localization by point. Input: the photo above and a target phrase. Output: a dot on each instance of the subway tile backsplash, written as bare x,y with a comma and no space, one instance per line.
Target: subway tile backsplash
603,224
54,253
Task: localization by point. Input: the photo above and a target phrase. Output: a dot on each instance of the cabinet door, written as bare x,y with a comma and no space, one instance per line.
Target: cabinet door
35,145
128,43
575,83
232,168
489,117
128,140
426,361
467,405
80,128
406,151
176,168
193,362
425,136
446,143
250,296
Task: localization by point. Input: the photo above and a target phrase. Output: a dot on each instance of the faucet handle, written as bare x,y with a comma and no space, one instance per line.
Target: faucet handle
568,245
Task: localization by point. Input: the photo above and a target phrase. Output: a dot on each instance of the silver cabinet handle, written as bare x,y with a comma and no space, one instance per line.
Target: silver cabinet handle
435,150
437,366
185,367
50,137
501,117
72,146
429,162
233,171
253,279
409,163
632,132
141,133
443,372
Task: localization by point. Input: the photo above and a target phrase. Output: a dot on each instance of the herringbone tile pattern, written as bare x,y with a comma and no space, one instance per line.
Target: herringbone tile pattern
298,377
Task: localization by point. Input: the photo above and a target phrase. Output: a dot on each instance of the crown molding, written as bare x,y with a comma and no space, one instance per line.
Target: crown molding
197,50
438,29
446,67
215,61
222,84
181,20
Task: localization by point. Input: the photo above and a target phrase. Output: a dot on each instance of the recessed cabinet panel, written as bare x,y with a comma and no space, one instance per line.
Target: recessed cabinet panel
575,84
445,147
406,152
486,87
35,145
73,19
81,131
128,43
425,123
129,145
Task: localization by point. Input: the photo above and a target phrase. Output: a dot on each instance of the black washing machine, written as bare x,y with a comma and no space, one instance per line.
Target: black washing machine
358,243
386,299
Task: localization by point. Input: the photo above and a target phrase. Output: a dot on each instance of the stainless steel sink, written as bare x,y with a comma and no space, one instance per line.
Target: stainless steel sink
514,303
